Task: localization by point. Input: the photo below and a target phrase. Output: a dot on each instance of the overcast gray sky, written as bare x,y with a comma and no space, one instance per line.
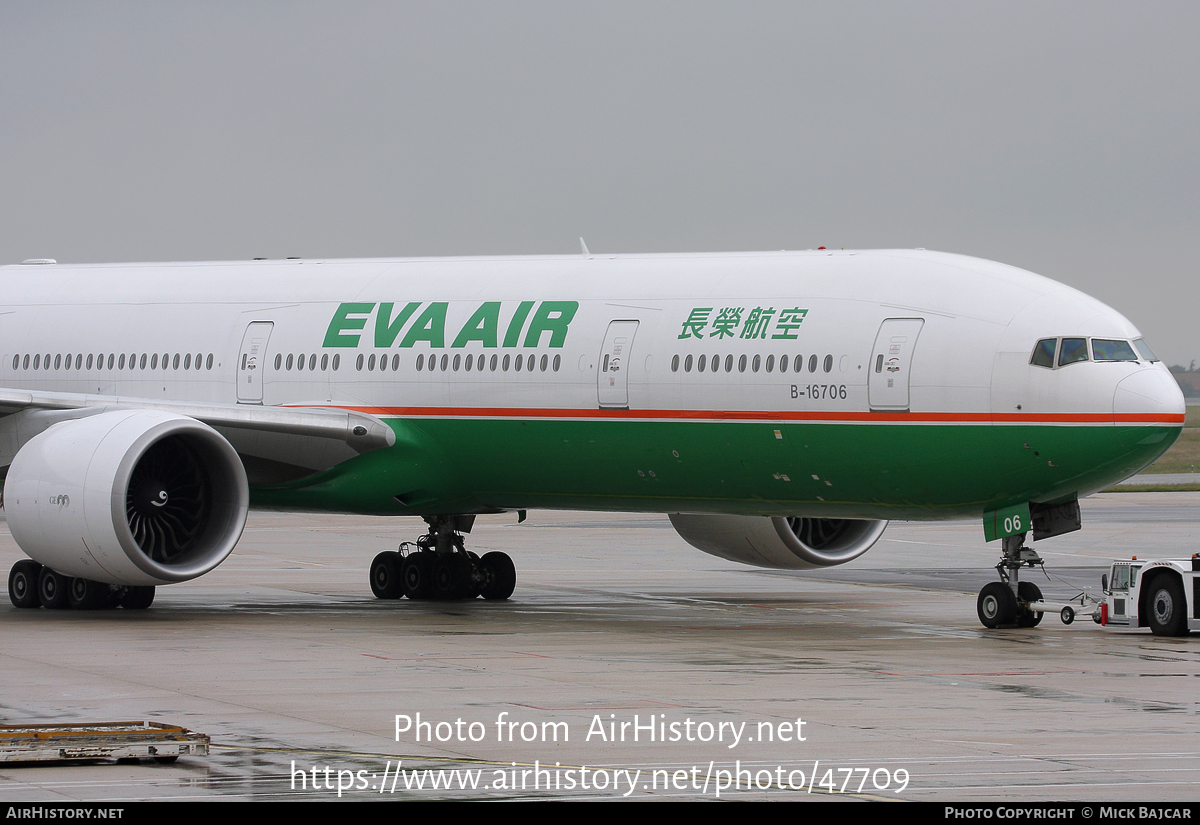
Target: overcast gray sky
1060,137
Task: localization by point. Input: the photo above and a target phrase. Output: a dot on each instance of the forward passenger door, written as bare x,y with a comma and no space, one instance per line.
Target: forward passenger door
891,363
612,374
252,360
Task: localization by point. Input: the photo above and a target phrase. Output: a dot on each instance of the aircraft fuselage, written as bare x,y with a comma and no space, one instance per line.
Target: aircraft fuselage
874,384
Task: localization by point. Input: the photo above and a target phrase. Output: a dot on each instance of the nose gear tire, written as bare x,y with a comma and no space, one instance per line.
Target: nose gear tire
996,605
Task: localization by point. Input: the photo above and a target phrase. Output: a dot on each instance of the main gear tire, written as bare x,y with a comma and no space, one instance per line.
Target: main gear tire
417,574
136,597
85,594
386,579
452,576
500,576
23,584
54,591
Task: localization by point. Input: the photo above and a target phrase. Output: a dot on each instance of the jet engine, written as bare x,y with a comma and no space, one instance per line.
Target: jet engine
129,497
779,543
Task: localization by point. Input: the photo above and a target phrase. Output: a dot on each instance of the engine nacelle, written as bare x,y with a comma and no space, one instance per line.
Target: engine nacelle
133,497
779,543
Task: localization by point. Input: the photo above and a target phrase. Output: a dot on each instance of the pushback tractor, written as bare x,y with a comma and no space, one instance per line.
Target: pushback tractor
1162,594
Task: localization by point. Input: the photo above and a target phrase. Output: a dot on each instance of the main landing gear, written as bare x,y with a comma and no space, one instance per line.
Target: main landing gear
32,585
438,566
1007,602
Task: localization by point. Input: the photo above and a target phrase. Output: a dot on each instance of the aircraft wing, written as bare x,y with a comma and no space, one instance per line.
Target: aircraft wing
275,443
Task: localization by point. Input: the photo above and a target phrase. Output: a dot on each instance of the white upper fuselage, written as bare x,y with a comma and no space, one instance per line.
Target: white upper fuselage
981,321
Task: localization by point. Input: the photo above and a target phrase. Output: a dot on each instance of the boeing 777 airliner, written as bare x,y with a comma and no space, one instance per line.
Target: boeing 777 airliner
781,407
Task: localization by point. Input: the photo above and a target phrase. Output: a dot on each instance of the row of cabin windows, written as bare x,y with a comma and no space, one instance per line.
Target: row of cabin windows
457,361
298,361
79,361
755,363
303,361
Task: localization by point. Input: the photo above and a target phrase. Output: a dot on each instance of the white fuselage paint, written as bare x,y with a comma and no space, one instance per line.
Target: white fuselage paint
974,323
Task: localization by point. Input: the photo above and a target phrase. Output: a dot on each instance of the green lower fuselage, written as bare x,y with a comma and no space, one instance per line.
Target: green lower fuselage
847,470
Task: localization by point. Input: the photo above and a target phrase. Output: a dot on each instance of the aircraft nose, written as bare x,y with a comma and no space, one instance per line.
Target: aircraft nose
1151,393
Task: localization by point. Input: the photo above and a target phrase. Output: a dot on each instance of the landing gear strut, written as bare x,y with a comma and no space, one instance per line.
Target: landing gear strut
438,566
1007,601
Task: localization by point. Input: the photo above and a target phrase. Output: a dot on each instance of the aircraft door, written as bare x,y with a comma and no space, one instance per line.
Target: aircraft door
612,374
891,363
251,361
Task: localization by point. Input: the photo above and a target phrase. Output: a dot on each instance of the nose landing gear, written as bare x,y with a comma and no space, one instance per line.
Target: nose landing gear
1007,602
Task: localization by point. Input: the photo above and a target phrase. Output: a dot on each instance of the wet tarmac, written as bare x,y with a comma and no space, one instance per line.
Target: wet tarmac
626,665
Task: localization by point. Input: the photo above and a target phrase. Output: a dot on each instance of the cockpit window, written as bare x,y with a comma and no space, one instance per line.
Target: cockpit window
1105,349
1073,349
1144,350
1043,353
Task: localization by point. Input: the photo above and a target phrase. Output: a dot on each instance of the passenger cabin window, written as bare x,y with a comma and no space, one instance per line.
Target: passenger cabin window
1043,353
1072,350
